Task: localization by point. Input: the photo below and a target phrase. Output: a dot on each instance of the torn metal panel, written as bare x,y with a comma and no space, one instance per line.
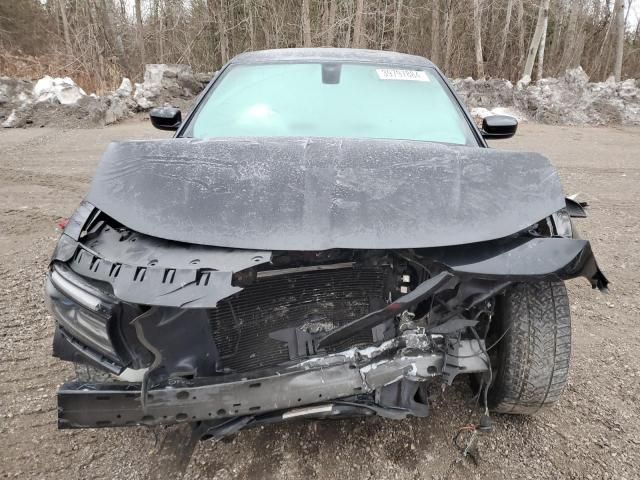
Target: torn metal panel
191,351
322,193
151,271
576,209
131,248
404,395
522,259
464,357
77,221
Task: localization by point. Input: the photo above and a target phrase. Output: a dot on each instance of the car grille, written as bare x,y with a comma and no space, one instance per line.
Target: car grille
241,324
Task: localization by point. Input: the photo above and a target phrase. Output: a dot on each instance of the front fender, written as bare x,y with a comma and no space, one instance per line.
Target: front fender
522,259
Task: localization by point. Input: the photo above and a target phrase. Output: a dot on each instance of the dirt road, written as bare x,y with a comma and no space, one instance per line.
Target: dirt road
593,433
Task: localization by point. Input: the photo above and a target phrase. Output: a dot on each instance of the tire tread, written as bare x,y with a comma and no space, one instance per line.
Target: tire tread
536,351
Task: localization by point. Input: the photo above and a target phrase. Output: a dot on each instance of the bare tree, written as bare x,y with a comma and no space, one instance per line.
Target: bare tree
333,6
139,30
520,22
222,29
543,41
347,25
620,26
568,54
448,39
543,13
306,23
558,31
358,28
106,39
396,25
65,27
477,37
248,8
435,32
505,35
111,36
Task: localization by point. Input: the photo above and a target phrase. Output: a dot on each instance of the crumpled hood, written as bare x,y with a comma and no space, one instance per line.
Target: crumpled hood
322,193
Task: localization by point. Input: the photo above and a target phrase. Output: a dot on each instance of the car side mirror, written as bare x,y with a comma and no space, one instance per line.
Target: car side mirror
166,118
495,127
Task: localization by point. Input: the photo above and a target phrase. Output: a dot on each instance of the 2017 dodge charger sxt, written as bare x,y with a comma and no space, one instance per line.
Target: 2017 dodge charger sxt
327,234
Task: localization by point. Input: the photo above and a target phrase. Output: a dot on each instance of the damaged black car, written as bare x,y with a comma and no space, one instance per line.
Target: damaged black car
326,235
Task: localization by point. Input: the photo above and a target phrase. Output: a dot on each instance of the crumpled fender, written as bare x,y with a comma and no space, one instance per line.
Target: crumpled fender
152,271
522,259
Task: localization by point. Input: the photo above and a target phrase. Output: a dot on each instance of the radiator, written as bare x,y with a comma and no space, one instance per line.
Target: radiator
316,301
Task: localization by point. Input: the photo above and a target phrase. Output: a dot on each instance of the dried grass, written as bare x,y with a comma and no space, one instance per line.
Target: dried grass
28,67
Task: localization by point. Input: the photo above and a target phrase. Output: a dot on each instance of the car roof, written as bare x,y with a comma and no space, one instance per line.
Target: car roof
286,55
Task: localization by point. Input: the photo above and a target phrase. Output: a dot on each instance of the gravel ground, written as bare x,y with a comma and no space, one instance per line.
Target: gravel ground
594,431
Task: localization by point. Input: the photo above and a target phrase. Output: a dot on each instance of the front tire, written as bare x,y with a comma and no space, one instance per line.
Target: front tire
532,359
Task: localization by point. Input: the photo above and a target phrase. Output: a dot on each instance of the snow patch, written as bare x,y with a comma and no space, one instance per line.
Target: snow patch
568,100
57,90
481,113
166,84
125,89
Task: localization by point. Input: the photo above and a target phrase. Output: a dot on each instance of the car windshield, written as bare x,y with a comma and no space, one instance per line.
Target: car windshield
331,100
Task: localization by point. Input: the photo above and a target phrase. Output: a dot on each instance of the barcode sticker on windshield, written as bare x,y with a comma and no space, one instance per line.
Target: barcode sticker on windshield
397,74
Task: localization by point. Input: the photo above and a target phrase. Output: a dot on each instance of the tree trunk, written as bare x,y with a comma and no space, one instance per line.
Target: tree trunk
568,54
448,40
520,21
331,30
65,28
264,26
383,25
396,25
54,7
347,32
306,24
477,37
358,27
92,28
505,37
555,42
324,19
543,41
620,24
140,31
435,32
113,37
160,34
543,13
222,29
251,28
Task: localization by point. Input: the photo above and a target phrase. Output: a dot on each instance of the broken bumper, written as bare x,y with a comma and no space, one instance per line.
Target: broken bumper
372,379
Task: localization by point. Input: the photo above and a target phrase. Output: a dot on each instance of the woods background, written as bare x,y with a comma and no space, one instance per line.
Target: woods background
97,42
